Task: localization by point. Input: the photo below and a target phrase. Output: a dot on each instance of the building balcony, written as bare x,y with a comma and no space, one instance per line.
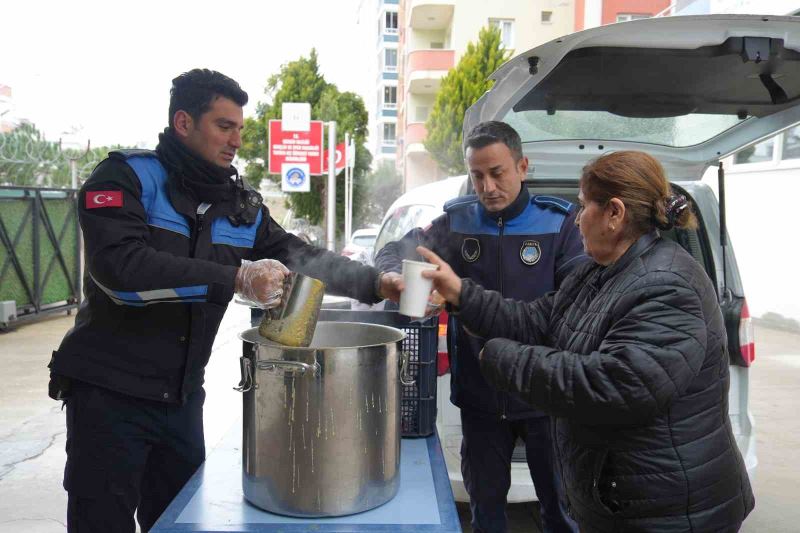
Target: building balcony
431,14
426,68
414,138
415,133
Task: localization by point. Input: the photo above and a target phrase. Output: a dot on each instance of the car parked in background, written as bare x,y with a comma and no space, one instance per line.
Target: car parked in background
360,243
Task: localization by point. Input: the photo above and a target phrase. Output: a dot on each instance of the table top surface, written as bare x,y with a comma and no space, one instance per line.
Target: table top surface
212,500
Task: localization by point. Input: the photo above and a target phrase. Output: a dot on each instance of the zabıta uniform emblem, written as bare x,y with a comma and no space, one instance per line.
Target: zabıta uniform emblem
470,250
531,252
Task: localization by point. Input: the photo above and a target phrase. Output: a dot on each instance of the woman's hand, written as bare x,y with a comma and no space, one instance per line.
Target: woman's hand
445,281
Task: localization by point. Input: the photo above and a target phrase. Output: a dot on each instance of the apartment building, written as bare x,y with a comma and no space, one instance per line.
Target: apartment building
433,35
593,13
383,16
419,41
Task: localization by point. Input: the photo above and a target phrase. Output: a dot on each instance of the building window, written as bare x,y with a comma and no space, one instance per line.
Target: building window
506,31
390,22
758,153
547,17
791,143
625,17
437,45
390,60
389,133
390,97
421,113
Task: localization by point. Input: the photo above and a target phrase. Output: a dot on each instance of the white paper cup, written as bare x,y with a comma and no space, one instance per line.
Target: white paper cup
414,298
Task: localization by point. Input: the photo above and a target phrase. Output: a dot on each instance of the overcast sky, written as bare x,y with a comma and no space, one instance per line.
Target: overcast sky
106,66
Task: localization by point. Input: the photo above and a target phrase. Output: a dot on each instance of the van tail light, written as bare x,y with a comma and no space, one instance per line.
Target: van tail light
747,343
442,360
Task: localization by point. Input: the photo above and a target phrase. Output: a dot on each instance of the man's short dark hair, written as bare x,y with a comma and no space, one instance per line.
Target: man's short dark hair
494,131
196,90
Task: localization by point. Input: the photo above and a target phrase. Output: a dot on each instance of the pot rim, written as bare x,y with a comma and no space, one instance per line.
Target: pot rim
263,341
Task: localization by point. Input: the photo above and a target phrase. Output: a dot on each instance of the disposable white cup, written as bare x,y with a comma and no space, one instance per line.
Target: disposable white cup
414,298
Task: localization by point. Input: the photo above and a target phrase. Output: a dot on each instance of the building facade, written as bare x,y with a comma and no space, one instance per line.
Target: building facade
433,35
384,16
419,41
593,13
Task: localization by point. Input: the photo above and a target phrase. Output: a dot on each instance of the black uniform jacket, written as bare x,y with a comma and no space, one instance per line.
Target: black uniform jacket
522,251
632,361
158,277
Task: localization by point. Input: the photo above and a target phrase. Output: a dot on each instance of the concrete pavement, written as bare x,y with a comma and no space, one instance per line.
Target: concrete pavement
32,432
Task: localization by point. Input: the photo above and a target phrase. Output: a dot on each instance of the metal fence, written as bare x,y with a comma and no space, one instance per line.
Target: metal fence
39,251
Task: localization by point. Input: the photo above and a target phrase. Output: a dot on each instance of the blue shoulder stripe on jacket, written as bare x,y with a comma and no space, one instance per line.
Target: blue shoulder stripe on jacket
469,217
155,197
560,203
460,201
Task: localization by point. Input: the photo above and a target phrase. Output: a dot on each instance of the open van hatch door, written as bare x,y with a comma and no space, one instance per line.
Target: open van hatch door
688,90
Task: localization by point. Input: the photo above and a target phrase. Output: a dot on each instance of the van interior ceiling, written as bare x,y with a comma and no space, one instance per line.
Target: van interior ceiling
764,74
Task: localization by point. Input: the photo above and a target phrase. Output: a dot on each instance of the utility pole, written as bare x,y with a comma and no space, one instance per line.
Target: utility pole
331,188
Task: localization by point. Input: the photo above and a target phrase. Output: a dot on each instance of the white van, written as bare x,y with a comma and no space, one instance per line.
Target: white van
689,90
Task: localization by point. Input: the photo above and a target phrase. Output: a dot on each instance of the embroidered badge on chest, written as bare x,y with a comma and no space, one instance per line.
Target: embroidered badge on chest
531,252
470,250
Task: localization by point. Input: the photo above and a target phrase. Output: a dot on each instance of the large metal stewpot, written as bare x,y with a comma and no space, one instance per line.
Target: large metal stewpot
322,424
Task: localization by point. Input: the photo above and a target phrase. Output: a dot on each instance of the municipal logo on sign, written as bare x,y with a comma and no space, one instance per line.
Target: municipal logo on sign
295,178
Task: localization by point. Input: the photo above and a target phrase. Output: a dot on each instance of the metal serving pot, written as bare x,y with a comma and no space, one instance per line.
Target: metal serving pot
321,433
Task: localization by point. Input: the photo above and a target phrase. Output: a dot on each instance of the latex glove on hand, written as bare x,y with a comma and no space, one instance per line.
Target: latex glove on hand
445,281
261,283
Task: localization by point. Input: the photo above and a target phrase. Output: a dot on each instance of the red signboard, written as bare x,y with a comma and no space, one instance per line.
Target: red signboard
295,147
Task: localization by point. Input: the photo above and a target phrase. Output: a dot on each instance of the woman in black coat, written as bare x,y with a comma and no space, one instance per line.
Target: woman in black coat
629,357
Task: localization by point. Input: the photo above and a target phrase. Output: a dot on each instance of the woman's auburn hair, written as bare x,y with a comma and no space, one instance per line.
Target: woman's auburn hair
639,181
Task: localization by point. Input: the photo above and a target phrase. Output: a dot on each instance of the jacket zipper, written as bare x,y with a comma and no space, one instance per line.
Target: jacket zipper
503,397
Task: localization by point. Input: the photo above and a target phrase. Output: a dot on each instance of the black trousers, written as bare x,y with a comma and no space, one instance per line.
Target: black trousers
127,455
486,451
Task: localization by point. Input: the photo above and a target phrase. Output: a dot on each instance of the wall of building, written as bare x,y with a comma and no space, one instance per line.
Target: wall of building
612,8
420,170
529,31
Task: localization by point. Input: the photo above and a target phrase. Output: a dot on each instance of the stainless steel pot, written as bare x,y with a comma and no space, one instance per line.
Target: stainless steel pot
322,424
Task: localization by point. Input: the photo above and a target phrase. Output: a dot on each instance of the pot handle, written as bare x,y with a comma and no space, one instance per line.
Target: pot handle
288,366
405,379
246,383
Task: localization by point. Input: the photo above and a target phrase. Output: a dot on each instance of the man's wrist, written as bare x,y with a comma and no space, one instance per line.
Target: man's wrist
378,291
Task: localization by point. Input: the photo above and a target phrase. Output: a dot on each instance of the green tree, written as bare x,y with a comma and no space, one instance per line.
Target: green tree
380,189
301,81
461,88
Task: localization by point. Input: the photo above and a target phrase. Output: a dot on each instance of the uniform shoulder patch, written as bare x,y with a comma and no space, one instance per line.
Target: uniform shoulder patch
96,199
552,201
461,201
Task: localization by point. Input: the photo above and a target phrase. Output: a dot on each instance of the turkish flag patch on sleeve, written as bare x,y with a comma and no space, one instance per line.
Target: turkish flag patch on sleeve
95,199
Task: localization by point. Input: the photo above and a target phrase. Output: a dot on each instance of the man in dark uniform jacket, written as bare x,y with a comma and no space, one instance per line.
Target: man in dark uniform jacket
170,236
523,247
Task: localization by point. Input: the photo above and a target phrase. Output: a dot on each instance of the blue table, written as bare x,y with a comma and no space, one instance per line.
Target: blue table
212,500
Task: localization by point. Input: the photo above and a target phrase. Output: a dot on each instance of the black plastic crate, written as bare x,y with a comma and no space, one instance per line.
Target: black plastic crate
417,401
